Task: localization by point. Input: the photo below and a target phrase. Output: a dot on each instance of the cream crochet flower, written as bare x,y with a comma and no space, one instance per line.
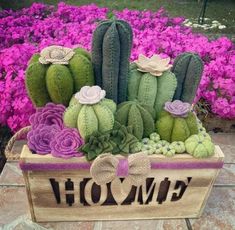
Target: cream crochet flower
90,95
56,55
154,65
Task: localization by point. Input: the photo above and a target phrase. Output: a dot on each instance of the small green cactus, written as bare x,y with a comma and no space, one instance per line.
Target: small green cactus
90,118
172,128
188,69
111,47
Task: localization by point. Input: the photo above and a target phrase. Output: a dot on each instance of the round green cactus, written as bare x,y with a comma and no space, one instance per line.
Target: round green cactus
199,146
90,118
172,128
132,114
178,146
168,151
58,81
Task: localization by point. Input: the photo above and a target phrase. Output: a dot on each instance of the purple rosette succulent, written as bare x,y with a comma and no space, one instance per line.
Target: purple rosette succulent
65,144
177,108
39,138
51,114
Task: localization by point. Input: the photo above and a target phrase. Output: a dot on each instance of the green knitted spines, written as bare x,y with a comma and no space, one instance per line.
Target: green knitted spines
125,38
97,50
188,68
59,84
151,90
166,86
36,84
147,91
111,60
111,47
82,71
139,118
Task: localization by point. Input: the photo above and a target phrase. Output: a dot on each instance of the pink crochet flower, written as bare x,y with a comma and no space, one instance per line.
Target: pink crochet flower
49,115
65,144
39,139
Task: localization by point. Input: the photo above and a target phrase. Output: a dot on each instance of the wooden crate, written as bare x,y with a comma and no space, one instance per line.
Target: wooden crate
177,187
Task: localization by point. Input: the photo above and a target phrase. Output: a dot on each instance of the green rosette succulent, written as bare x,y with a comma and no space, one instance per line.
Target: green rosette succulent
57,73
118,140
97,144
90,111
125,141
176,122
200,147
139,117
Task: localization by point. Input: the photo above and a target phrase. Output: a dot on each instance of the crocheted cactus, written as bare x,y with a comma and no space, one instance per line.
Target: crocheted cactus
132,114
88,116
111,47
199,146
188,68
57,80
151,90
171,128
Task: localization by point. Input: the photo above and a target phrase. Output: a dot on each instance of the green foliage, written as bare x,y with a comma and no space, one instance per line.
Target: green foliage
188,68
57,83
111,47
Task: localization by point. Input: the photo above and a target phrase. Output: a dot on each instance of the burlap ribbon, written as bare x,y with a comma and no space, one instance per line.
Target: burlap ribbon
106,167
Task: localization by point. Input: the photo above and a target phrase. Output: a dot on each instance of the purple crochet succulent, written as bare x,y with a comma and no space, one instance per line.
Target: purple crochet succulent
51,114
65,144
39,138
177,108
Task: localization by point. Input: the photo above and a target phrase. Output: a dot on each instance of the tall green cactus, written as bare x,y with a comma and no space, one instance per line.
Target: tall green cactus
151,90
188,68
111,47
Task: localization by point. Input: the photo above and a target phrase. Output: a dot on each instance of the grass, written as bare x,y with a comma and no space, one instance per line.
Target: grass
221,10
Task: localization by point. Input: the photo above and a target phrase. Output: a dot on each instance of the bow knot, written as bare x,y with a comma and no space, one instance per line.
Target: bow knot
106,167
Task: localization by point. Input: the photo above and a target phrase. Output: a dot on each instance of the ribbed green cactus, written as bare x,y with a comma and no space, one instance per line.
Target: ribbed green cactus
151,90
132,114
56,82
172,128
188,68
90,118
111,47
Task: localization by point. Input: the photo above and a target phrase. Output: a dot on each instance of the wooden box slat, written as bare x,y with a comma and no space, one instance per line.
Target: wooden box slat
44,207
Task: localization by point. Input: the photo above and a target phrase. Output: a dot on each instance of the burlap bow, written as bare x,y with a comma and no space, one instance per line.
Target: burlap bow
107,167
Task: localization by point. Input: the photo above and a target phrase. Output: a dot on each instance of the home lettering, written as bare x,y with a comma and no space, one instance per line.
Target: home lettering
84,191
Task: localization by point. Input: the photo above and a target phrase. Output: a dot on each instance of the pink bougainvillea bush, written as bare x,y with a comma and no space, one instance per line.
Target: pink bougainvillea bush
27,31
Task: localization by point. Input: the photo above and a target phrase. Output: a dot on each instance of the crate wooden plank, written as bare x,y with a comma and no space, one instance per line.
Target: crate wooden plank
72,195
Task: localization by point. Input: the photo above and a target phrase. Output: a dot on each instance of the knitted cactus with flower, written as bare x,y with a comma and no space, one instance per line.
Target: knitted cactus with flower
151,82
57,73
